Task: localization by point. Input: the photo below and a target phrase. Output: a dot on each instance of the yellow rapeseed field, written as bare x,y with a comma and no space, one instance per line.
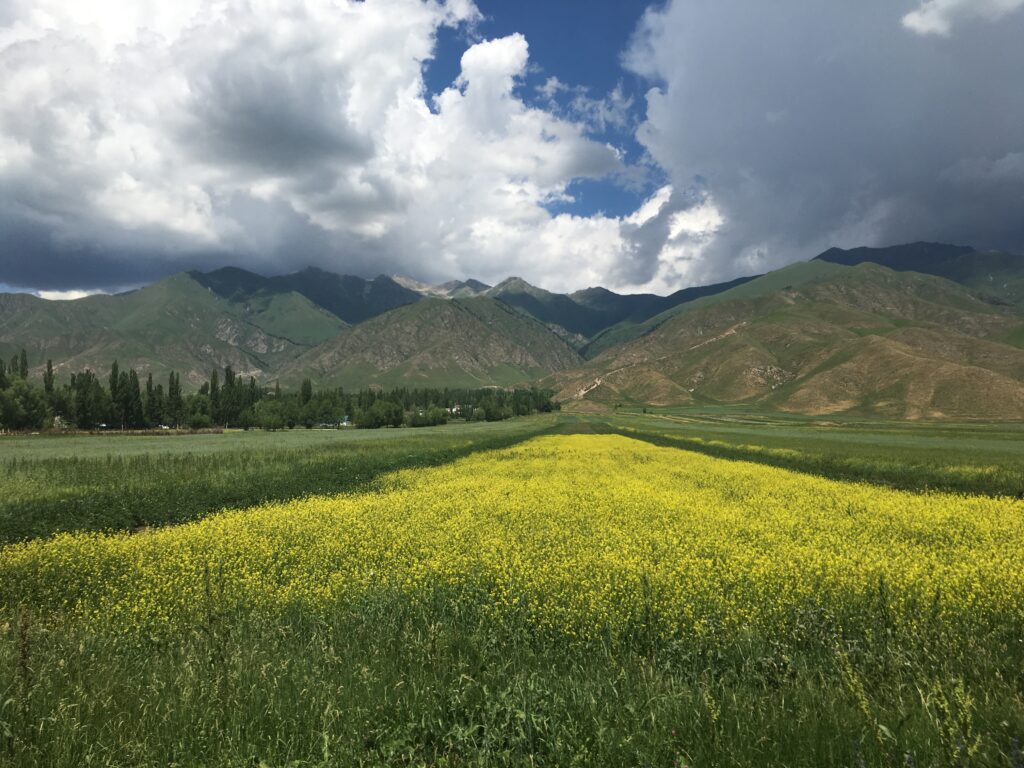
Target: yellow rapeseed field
577,534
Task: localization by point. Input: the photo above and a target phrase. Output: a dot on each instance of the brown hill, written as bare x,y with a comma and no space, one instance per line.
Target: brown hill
861,339
439,342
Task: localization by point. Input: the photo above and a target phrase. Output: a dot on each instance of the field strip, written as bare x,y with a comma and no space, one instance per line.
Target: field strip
579,533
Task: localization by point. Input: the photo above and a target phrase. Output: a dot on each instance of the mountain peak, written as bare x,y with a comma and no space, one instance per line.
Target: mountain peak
460,289
425,289
515,285
592,292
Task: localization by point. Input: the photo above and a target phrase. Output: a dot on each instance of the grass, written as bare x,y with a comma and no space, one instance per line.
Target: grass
113,482
978,458
441,681
387,683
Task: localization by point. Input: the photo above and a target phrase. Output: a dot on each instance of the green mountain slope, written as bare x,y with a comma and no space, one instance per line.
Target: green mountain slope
991,273
581,316
706,296
175,324
438,342
574,322
352,299
823,338
841,333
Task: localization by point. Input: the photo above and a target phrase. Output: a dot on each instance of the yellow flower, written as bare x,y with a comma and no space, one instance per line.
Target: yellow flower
579,534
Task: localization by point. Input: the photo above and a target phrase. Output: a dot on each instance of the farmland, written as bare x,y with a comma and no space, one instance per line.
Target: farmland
975,457
116,482
525,598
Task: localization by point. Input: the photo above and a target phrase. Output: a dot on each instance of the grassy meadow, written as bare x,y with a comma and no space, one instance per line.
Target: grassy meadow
638,590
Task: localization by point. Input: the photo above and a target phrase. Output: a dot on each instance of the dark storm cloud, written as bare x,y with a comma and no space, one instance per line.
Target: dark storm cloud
34,256
818,124
279,114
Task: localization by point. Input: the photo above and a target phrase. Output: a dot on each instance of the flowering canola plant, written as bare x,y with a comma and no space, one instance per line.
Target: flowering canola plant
579,535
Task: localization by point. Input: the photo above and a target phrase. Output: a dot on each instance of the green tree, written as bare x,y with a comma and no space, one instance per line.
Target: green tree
175,402
116,411
48,379
4,383
214,412
199,416
232,399
306,392
159,406
134,416
383,413
90,403
22,406
23,365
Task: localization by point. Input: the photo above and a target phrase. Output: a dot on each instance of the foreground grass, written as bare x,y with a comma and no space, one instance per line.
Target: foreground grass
113,482
570,601
388,683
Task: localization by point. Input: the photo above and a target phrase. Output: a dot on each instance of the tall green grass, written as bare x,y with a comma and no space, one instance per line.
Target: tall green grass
385,682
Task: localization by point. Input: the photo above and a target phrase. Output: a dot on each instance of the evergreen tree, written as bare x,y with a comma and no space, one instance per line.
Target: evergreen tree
159,406
122,403
23,365
133,402
90,403
175,404
214,397
48,379
115,377
231,395
118,380
4,383
306,393
149,403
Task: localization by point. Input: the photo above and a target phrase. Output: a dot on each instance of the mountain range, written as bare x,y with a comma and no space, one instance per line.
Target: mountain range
922,330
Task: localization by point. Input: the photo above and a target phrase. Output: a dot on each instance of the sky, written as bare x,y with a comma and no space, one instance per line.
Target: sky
642,147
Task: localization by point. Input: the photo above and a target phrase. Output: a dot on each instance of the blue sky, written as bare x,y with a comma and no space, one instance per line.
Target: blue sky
581,44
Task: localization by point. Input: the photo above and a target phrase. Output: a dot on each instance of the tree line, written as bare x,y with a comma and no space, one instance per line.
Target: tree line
121,400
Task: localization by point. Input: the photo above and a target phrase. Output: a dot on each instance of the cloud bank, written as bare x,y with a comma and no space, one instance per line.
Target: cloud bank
817,124
135,141
144,138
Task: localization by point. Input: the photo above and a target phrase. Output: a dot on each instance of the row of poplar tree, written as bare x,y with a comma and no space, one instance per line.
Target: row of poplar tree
123,401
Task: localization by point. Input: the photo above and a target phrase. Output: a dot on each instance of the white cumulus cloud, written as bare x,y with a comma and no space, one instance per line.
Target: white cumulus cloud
937,17
136,139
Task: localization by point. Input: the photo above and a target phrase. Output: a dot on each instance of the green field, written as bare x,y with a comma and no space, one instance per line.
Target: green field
975,457
126,482
224,642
